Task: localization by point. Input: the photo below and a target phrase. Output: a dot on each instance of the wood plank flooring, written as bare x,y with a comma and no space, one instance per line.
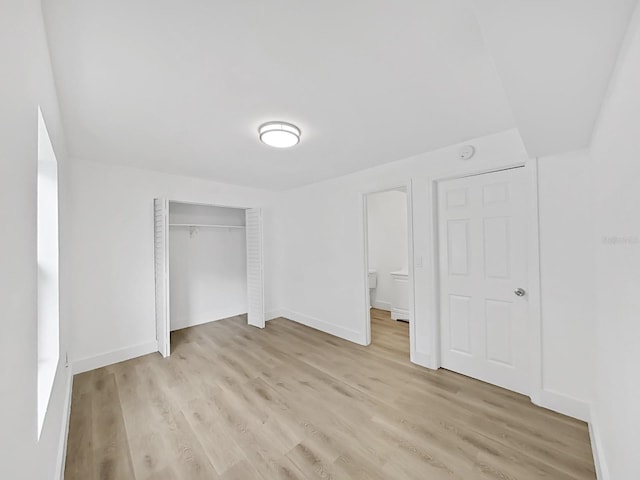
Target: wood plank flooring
288,402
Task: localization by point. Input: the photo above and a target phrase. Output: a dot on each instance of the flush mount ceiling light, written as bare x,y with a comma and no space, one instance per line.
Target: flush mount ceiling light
279,134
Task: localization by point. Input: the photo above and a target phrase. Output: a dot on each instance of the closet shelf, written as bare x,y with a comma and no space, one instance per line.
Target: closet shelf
195,225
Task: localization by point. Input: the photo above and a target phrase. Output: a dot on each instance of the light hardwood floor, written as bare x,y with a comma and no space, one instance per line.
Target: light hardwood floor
289,402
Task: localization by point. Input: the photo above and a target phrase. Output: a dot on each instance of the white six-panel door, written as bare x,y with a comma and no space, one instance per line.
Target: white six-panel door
482,262
161,261
255,273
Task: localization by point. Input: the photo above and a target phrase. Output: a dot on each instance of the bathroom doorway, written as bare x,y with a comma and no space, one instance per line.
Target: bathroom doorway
388,269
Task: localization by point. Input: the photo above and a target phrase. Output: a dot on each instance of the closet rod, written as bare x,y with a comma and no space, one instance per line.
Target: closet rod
203,225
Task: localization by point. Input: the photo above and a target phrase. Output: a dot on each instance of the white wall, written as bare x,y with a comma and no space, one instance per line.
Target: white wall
567,270
27,82
320,278
113,304
208,266
388,241
616,152
196,214
320,251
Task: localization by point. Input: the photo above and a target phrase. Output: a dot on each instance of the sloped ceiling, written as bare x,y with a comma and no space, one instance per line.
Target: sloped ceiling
181,85
555,58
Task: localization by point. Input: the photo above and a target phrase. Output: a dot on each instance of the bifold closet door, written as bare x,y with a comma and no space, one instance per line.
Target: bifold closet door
255,274
161,258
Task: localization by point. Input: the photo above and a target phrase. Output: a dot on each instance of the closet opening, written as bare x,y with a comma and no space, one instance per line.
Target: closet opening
208,262
389,285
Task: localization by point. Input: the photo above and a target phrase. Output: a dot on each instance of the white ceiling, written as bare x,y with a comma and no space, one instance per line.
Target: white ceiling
181,86
555,58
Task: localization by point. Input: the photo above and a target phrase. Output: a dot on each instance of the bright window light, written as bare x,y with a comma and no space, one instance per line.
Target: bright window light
48,291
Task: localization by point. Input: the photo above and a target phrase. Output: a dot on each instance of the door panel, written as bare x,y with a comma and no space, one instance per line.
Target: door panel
457,198
255,274
497,236
498,318
483,252
460,324
458,247
495,193
161,262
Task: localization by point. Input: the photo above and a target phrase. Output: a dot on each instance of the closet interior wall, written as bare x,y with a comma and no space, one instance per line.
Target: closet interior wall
207,263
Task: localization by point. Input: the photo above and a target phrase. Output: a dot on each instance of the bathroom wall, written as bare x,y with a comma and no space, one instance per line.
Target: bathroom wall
388,241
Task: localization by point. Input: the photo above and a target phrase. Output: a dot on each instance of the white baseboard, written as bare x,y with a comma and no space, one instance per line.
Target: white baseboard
565,404
602,472
330,328
64,431
399,314
381,305
422,359
273,315
115,356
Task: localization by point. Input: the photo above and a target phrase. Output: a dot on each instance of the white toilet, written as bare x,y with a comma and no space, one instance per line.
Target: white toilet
373,283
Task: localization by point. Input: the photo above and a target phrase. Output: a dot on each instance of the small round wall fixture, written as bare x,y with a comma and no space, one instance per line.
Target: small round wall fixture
279,134
467,152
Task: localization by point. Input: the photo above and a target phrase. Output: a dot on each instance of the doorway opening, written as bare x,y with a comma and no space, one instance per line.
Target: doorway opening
388,272
208,266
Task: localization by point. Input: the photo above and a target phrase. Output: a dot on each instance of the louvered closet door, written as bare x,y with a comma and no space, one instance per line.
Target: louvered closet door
255,275
161,254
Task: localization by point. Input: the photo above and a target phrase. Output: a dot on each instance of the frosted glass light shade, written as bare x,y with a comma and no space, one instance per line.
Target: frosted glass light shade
279,134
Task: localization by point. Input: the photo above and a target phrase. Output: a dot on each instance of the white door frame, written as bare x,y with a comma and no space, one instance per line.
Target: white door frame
186,202
410,264
534,320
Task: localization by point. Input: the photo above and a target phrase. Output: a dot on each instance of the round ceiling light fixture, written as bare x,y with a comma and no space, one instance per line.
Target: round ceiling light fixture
279,134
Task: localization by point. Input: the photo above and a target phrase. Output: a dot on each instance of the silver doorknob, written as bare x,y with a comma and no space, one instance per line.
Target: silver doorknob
519,292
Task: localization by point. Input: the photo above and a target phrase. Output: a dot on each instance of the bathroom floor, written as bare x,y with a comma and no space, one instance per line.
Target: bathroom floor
390,334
